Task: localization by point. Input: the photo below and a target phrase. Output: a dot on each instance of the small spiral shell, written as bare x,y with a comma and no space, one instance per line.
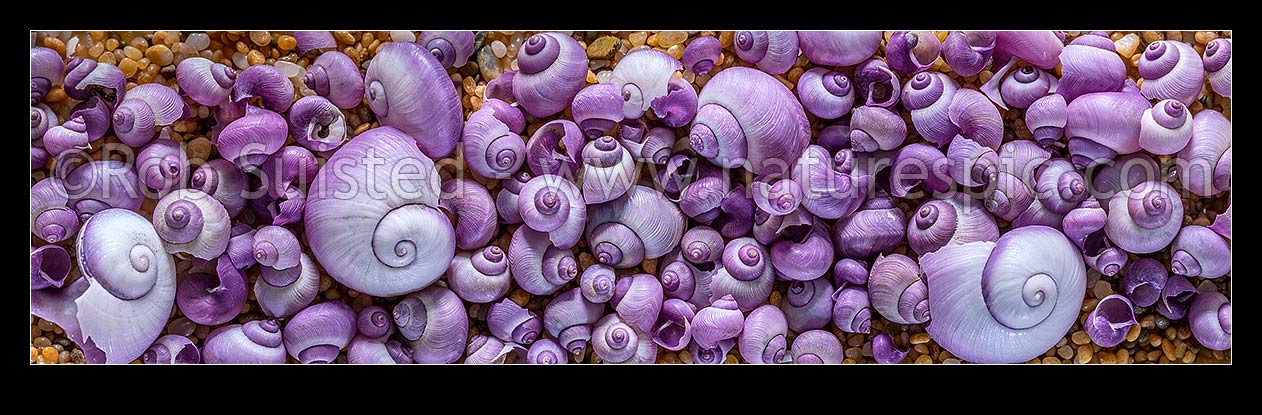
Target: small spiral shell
192,222
537,266
162,166
386,236
597,109
927,95
825,94
1204,165
1090,64
435,322
1171,70
1144,218
830,187
1200,252
1217,60
318,333
172,349
817,347
147,107
1058,186
282,293
511,323
673,330
598,283
620,230
773,51
1210,318
747,274
452,48
553,68
1109,322
102,184
967,53
569,318
805,257
255,342
317,124
616,342
764,337
206,82
249,140
213,296
480,276
641,77
86,78
808,305
852,311
608,170
950,221
491,146
897,290
266,83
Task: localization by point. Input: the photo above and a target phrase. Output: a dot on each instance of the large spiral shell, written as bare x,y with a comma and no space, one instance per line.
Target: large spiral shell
123,301
1007,301
385,236
748,119
654,222
408,89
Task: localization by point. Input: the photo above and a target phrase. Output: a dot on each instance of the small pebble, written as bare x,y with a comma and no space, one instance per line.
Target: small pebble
1084,354
1107,358
1102,289
181,326
925,359
288,68
286,42
261,38
499,49
254,58
638,38
199,148
344,37
1081,337
48,354
602,48
1051,361
1205,37
488,64
920,338
239,60
519,296
671,37
198,41
1133,333
402,36
1126,45
1065,352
